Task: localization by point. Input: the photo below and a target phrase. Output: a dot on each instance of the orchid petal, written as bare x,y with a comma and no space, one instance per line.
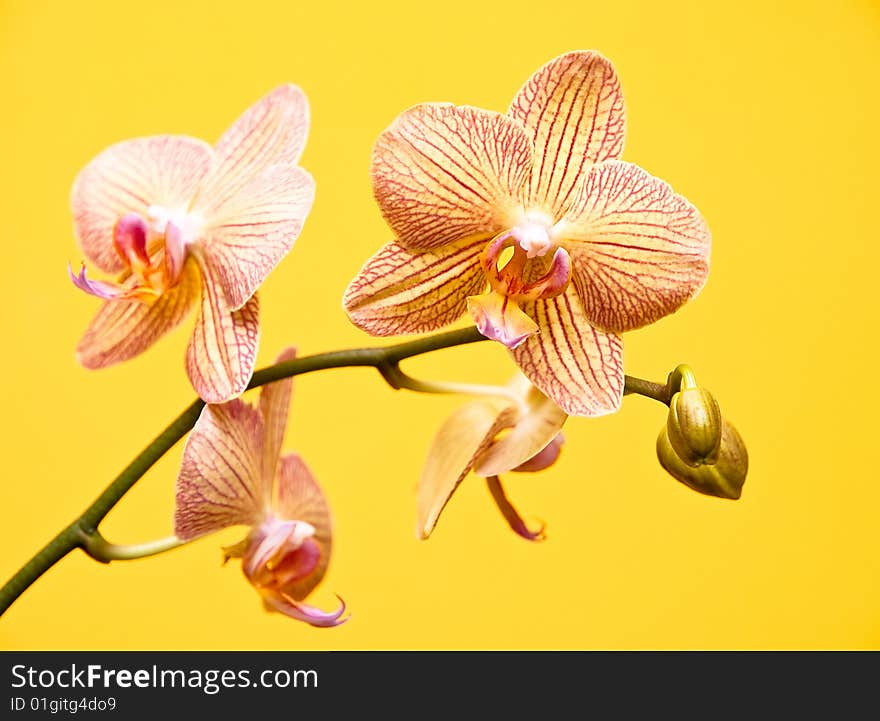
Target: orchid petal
248,234
223,347
123,329
271,132
129,177
511,515
443,173
219,483
303,612
398,291
640,251
572,108
535,431
498,317
299,497
579,367
275,407
462,438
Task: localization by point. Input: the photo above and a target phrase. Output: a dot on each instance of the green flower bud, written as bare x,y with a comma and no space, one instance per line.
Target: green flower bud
694,426
723,478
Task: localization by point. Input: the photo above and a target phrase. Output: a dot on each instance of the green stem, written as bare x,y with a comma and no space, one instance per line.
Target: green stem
658,391
102,550
398,379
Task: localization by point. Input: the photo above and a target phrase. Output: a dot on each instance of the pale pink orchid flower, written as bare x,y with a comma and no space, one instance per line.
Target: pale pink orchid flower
179,222
491,437
233,474
574,245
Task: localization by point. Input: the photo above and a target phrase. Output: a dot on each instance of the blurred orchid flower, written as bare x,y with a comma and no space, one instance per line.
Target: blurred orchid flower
232,474
490,438
575,245
176,219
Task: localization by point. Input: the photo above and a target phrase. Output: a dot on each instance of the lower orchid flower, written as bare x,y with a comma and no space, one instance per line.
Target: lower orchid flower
180,223
232,474
489,438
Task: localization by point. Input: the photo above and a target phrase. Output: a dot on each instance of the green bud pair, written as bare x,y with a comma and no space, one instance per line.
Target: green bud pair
698,447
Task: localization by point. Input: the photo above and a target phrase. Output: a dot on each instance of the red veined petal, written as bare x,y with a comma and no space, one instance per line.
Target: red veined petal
223,347
443,173
572,109
275,407
579,367
220,481
399,291
248,234
640,251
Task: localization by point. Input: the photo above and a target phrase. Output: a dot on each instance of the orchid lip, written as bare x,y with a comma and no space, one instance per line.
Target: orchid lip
309,614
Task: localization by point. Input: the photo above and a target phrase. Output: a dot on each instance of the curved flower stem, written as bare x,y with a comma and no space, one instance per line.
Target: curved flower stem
103,551
83,531
398,379
661,392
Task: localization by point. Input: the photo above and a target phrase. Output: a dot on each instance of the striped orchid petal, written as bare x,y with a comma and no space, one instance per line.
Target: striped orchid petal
443,173
220,480
579,367
465,435
274,407
123,329
299,497
399,291
271,132
222,350
535,431
640,251
573,110
130,177
249,233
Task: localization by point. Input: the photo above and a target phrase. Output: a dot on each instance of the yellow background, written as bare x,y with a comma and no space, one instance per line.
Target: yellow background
765,115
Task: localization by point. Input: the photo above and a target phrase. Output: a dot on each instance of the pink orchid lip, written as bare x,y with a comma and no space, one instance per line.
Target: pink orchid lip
498,317
108,291
303,612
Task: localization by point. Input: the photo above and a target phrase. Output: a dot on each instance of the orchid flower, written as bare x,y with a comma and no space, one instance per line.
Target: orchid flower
491,437
232,474
574,245
177,220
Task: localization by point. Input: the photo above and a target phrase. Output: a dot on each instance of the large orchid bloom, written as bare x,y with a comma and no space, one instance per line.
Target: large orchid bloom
491,437
233,474
574,245
177,220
